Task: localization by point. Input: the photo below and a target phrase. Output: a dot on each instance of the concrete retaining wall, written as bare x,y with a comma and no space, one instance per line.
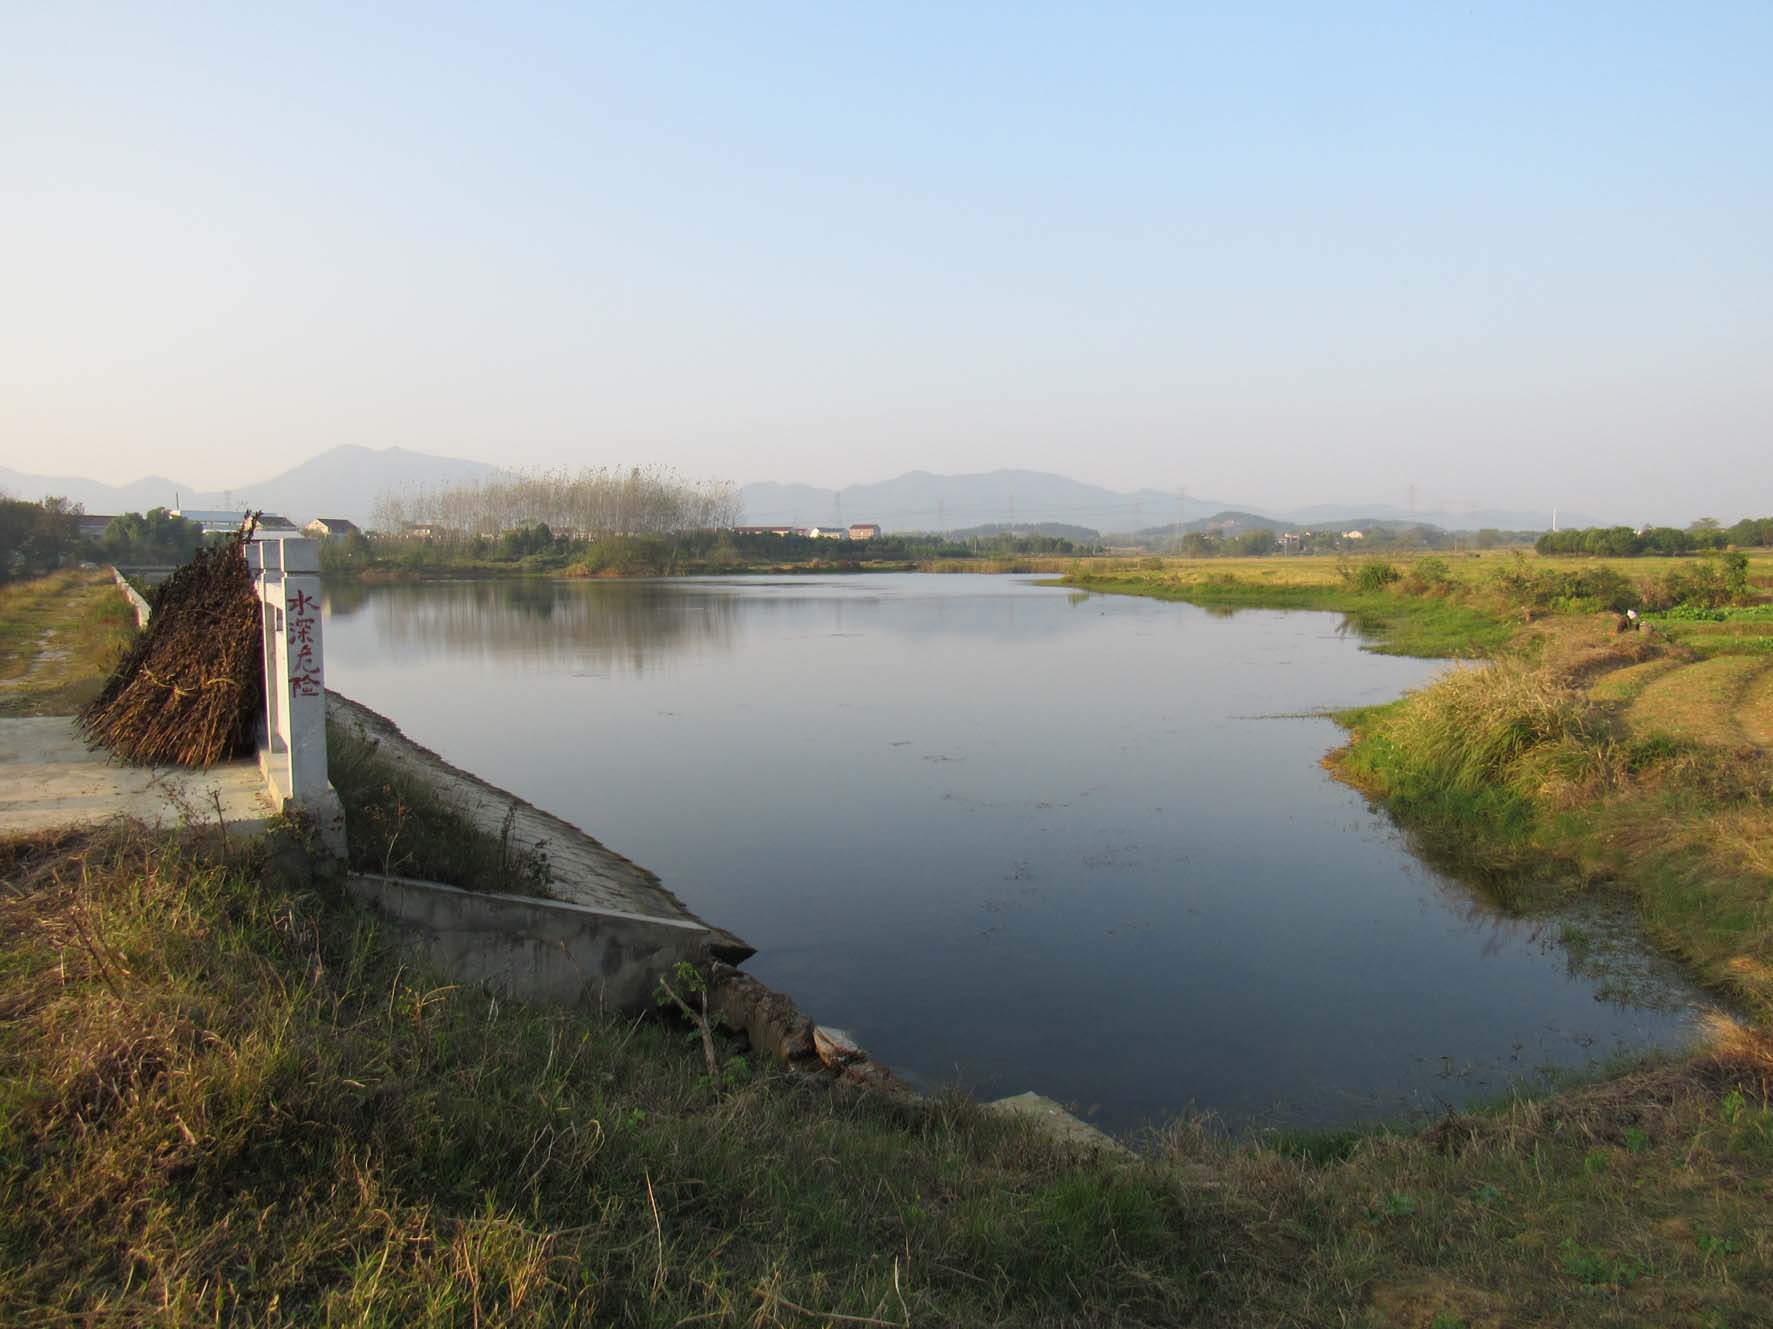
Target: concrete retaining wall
580,869
142,609
531,949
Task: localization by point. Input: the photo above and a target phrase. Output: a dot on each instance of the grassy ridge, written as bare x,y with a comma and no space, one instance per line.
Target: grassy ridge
1537,777
1438,627
1579,757
226,1101
60,635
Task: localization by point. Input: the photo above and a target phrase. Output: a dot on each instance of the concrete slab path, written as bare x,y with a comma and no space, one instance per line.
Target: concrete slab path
49,778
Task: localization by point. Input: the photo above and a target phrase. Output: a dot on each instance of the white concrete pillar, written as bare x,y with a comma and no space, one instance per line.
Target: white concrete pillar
292,754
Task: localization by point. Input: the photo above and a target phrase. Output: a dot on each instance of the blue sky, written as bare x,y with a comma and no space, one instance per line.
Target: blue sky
1510,254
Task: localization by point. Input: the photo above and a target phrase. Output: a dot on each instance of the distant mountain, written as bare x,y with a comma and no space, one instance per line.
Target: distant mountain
154,491
345,482
925,502
1228,523
920,501
340,482
1475,519
1058,530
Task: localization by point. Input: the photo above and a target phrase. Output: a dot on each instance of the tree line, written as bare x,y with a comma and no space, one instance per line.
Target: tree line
1627,542
36,538
1258,541
587,504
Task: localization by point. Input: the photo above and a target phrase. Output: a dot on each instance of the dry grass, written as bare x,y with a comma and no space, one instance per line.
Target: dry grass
1628,682
1755,710
1706,701
60,636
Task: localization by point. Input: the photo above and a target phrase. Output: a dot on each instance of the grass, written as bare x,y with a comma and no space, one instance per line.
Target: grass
1585,760
60,636
227,1101
1701,702
400,825
1438,626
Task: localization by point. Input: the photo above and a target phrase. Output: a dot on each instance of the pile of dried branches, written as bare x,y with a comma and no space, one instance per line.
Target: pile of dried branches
193,689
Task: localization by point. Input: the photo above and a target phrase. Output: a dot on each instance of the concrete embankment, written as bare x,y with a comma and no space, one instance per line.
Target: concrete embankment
581,871
143,610
534,949
609,934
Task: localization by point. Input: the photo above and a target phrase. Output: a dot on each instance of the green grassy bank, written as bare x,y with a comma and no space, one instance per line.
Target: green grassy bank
1438,627
227,1101
1582,757
1587,760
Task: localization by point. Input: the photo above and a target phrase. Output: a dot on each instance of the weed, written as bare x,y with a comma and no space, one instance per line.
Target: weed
1595,1269
1713,1247
397,824
1395,1205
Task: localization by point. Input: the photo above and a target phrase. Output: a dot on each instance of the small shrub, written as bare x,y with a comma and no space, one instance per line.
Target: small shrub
1373,575
1567,590
1710,584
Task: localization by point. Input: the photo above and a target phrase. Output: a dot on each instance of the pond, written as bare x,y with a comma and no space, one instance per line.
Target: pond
1017,837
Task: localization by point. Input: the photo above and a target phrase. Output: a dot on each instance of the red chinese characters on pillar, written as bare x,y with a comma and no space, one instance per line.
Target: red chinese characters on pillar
304,669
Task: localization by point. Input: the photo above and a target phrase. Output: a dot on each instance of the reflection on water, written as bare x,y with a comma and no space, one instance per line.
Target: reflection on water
1013,835
586,627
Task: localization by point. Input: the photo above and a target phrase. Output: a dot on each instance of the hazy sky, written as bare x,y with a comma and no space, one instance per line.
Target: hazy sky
1514,254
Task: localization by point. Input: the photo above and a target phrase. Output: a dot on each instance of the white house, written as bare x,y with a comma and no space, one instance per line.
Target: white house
322,527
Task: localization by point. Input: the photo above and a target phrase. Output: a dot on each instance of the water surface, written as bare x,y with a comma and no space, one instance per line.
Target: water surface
1008,834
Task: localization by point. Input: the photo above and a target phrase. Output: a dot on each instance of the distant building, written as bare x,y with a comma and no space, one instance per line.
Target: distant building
1354,535
1289,540
92,525
323,527
865,530
768,530
213,522
828,532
